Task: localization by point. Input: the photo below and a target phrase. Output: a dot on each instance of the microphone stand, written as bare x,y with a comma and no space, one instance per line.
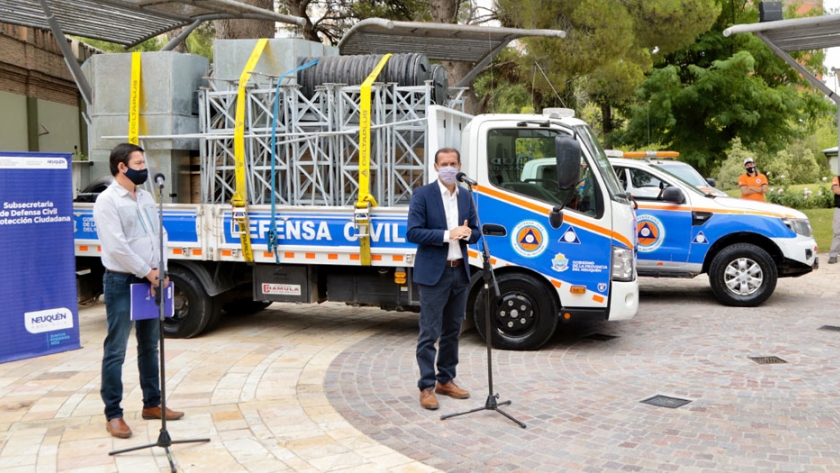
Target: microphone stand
164,440
488,275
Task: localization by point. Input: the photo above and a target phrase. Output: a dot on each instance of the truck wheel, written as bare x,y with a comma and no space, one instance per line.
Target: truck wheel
245,306
742,275
194,309
523,317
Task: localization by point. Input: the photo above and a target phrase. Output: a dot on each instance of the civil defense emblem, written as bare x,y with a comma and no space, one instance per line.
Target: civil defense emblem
650,233
529,239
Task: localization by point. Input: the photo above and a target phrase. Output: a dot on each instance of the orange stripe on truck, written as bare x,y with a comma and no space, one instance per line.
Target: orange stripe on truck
544,210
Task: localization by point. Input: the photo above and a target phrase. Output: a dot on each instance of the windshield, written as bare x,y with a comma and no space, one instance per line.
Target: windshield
587,138
690,186
684,172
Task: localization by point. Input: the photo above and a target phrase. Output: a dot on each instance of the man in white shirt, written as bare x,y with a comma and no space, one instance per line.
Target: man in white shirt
441,221
127,226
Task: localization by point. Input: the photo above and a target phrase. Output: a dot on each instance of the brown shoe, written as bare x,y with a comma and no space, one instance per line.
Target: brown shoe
154,413
452,390
428,399
118,428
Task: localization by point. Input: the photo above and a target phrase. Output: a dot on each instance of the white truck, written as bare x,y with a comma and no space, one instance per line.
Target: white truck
326,173
684,229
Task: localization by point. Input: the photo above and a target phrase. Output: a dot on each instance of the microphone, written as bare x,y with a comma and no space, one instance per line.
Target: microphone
159,178
461,177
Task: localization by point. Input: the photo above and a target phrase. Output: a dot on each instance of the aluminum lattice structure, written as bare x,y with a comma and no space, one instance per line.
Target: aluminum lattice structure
316,152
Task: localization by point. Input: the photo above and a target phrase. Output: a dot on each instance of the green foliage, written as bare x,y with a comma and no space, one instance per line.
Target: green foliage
795,164
700,98
733,166
154,44
200,41
609,42
821,229
800,200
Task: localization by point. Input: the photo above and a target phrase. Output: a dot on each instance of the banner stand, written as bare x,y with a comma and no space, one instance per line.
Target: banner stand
39,313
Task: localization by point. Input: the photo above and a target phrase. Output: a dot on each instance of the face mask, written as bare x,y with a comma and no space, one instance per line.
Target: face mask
137,177
751,169
447,174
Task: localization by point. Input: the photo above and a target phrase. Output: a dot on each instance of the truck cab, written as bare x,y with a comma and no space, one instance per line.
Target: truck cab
568,251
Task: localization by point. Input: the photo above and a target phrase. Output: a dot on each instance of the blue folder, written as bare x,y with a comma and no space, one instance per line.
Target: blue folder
143,303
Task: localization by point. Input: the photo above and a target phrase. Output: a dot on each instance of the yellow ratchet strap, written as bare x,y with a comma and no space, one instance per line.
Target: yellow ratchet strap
134,100
366,200
240,207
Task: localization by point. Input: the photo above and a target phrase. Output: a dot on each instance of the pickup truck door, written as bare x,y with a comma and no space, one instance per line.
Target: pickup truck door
663,229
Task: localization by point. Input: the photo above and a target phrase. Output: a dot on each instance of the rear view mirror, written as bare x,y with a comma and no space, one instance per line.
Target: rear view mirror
711,181
567,150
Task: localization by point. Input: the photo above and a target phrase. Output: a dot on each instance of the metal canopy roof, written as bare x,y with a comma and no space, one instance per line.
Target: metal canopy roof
800,34
438,41
128,22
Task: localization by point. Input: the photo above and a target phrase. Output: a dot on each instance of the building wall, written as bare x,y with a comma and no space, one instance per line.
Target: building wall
13,122
43,100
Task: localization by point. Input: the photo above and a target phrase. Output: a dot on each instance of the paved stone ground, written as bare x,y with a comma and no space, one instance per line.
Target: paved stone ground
328,388
580,396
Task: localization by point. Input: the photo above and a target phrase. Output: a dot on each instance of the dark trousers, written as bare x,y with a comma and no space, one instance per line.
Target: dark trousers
442,309
117,308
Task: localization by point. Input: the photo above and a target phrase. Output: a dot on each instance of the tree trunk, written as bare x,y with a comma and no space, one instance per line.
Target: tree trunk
298,8
247,29
182,46
446,11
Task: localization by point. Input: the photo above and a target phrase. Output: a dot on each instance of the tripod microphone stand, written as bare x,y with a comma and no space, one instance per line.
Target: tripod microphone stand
164,440
491,404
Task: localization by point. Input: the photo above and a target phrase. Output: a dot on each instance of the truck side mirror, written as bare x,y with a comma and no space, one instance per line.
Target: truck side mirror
711,181
493,229
555,218
673,194
567,150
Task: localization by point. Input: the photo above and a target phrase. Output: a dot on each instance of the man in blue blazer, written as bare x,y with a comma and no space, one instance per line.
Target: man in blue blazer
441,221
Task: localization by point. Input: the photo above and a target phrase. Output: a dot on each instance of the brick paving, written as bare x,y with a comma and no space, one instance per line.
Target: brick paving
328,388
580,395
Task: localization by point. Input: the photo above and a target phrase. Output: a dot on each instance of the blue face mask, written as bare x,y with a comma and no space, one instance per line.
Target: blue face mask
137,177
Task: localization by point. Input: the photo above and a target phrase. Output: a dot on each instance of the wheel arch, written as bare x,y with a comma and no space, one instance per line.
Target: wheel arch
214,284
756,239
476,282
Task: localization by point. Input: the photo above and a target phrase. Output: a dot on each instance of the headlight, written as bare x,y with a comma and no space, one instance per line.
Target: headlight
800,226
623,264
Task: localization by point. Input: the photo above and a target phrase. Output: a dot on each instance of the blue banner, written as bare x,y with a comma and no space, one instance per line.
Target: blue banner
39,309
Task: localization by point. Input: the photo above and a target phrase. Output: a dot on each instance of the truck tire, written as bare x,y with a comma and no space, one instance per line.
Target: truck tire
742,275
523,317
245,306
194,309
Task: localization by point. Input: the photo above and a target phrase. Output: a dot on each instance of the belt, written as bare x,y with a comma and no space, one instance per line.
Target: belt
118,272
454,263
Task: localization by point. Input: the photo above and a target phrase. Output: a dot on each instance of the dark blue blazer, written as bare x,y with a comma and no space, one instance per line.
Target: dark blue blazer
426,224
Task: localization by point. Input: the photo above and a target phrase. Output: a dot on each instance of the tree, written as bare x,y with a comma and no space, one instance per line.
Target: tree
702,97
608,47
245,29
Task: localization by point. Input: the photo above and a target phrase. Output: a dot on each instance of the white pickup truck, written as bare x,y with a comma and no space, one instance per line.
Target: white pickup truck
681,231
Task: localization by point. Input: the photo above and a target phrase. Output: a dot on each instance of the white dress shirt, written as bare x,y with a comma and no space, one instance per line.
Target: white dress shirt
450,206
128,230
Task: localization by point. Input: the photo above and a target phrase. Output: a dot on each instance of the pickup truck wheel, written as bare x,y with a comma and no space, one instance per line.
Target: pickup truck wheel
194,309
523,317
742,275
